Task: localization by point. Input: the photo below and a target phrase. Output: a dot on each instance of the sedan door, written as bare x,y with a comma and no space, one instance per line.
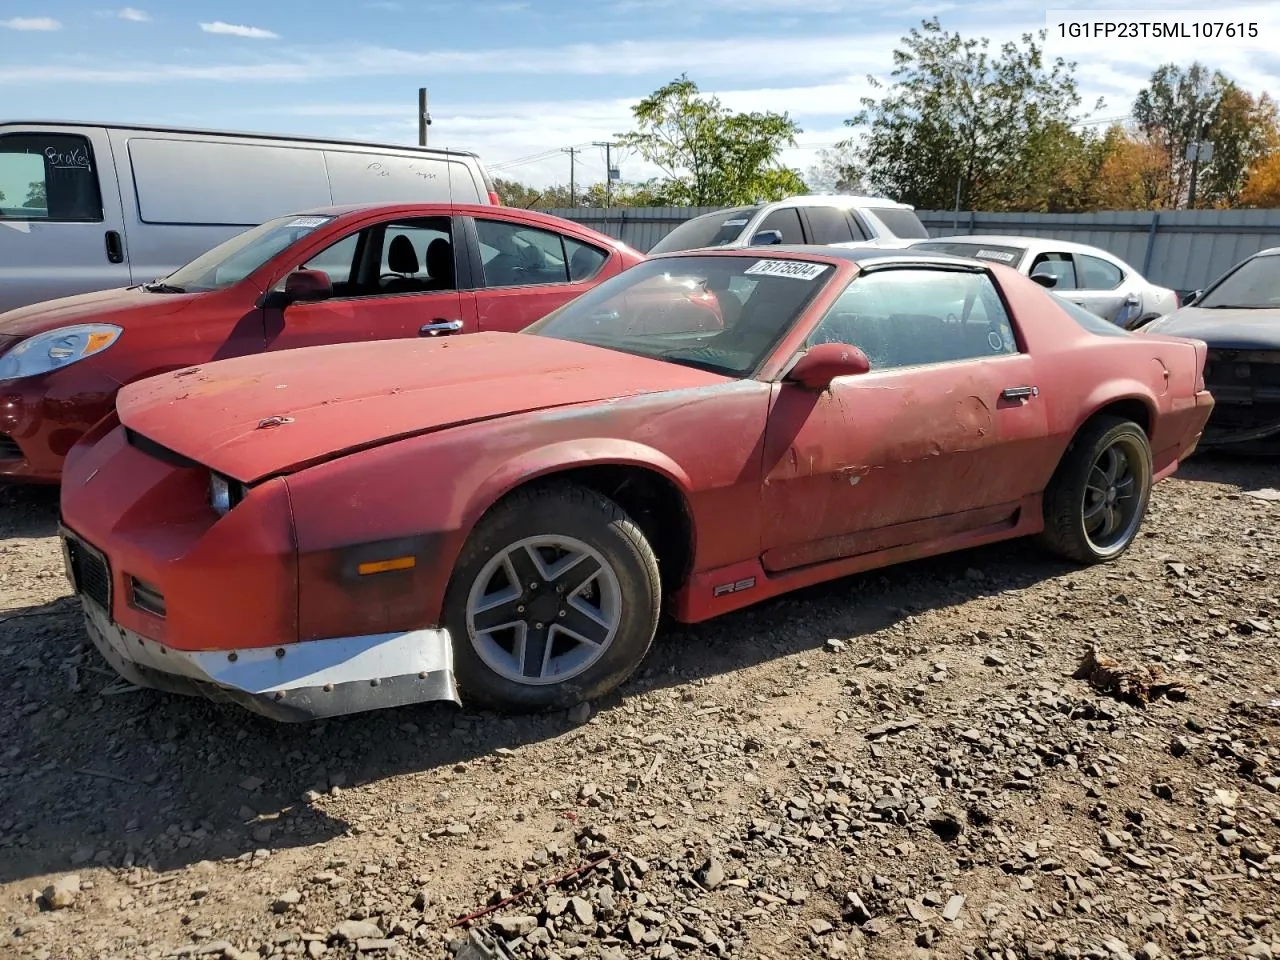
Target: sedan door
1102,289
394,279
945,435
525,272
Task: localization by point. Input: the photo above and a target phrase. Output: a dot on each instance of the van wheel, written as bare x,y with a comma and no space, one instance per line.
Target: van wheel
1095,503
554,600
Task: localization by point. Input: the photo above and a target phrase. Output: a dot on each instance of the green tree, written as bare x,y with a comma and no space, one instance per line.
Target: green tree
36,194
998,124
709,155
516,194
836,171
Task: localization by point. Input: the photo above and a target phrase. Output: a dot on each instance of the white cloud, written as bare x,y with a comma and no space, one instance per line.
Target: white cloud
134,14
31,23
236,30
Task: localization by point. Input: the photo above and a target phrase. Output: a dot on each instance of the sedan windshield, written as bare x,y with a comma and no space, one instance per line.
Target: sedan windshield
1254,286
709,230
232,261
719,313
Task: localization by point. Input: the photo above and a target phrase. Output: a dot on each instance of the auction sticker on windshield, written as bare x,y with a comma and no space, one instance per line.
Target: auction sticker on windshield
994,255
795,269
307,221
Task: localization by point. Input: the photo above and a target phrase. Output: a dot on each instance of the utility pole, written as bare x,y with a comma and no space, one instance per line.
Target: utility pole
610,174
424,117
1200,150
572,152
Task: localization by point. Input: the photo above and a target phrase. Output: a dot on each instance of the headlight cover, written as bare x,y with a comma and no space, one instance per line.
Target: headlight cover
55,349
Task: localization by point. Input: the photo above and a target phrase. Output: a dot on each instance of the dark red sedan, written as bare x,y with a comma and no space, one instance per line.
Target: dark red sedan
327,276
500,518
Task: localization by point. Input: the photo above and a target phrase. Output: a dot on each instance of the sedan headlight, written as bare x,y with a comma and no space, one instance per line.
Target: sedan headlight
58,348
224,493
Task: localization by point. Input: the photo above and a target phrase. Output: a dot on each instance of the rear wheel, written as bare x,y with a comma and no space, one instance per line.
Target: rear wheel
1098,496
554,600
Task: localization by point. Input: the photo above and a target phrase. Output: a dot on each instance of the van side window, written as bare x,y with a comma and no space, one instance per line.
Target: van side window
48,176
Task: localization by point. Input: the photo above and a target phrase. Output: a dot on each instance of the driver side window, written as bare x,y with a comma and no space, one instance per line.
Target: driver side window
911,317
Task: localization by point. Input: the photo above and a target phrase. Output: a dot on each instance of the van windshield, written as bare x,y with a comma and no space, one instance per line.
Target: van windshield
232,261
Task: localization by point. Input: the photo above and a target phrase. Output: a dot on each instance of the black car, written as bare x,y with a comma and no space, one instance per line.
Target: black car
1239,318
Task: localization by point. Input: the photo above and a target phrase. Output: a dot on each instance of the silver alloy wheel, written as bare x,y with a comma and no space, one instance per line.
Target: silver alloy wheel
544,610
1114,496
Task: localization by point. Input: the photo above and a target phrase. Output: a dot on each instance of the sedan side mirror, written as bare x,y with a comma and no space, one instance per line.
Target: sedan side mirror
307,286
1046,280
821,364
766,238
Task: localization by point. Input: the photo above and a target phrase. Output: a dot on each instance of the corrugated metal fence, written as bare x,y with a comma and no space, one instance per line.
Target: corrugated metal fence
1182,249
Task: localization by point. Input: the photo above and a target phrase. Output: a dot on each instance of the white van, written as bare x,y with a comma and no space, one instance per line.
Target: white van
85,207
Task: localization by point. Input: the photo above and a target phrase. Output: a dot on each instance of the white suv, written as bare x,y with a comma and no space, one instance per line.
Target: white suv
840,221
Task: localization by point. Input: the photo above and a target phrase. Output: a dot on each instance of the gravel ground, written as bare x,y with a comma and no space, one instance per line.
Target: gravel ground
895,765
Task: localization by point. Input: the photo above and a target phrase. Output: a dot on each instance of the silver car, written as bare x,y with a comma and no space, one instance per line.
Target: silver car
1092,278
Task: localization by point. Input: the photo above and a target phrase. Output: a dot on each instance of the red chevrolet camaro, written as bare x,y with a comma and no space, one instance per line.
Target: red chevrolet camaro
369,272
500,518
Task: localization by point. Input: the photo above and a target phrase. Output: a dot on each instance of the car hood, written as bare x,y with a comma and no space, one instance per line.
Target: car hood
1223,329
101,306
267,414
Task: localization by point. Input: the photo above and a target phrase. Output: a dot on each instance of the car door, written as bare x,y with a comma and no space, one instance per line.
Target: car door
944,435
61,223
1101,289
525,272
395,278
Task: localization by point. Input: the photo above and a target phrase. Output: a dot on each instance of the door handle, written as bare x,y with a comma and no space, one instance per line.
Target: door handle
439,326
1019,393
115,247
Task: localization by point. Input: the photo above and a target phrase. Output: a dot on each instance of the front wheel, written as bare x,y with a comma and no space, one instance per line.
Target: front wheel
1098,496
554,600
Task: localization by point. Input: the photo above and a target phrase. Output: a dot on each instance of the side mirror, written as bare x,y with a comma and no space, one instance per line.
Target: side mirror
1046,280
766,238
826,361
306,286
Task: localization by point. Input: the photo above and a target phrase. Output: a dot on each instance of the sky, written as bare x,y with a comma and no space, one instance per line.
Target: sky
518,80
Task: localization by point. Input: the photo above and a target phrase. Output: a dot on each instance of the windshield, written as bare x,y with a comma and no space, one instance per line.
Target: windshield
709,230
902,223
723,314
232,261
1255,285
1010,256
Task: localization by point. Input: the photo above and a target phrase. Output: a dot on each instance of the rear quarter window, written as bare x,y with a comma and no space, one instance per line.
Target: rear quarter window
1090,321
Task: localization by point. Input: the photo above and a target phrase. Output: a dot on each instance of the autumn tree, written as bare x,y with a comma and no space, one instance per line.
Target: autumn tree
1134,175
1182,106
709,155
999,124
1262,188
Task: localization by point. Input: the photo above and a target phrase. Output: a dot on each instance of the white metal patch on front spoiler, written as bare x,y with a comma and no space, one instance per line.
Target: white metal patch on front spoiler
296,681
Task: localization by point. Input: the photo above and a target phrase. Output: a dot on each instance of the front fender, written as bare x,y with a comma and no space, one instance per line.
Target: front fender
568,455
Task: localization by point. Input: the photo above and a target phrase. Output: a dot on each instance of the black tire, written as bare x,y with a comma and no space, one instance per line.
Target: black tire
553,510
1066,532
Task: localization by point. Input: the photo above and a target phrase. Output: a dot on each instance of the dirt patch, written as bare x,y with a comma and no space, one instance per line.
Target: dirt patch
893,765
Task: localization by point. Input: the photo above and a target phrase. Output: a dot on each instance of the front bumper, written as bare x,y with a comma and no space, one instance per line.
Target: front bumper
291,683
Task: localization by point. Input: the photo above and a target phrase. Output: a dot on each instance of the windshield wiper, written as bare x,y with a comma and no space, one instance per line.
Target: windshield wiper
159,286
